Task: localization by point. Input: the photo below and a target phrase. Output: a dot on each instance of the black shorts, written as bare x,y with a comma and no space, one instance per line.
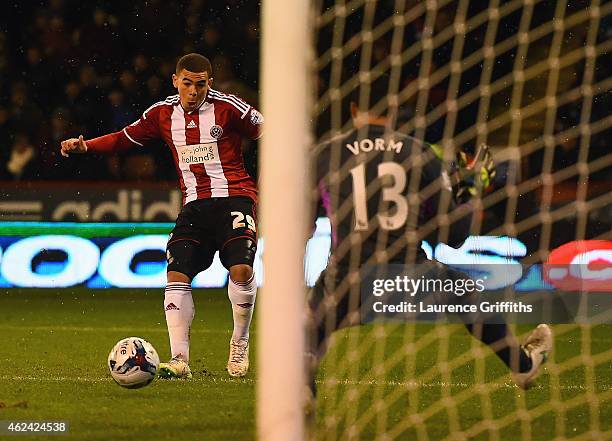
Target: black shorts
204,226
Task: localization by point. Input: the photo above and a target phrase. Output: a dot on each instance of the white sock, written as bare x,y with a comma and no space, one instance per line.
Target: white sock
178,305
242,295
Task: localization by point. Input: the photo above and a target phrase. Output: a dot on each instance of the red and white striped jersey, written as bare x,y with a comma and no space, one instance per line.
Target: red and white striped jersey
205,143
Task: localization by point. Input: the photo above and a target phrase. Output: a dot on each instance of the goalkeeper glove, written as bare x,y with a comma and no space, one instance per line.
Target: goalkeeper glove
475,175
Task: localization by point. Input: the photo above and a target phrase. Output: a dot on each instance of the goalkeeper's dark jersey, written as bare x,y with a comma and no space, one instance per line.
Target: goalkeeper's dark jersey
382,191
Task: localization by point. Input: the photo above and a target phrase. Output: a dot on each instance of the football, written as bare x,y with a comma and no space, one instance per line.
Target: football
133,363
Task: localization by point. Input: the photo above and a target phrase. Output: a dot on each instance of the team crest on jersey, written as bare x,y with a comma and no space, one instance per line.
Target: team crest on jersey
256,117
216,131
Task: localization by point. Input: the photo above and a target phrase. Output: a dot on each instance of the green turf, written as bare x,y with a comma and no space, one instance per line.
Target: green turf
53,357
355,396
53,367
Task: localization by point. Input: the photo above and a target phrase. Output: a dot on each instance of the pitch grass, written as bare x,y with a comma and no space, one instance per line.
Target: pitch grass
53,351
54,344
399,382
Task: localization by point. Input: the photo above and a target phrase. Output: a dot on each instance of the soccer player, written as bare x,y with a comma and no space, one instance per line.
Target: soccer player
203,129
380,188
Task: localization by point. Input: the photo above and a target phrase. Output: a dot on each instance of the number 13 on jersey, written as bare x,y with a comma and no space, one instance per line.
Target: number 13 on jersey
389,194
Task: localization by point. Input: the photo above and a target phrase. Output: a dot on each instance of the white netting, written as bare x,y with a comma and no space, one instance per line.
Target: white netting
533,80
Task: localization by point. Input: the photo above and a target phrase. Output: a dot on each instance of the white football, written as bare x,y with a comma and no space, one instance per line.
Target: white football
133,362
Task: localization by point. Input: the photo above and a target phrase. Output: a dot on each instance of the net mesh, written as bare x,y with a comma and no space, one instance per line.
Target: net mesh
532,80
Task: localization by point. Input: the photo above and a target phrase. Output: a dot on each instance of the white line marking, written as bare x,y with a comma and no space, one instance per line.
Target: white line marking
104,329
222,379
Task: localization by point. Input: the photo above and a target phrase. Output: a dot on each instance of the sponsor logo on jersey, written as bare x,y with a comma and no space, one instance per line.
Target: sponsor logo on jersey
197,154
256,117
191,125
216,131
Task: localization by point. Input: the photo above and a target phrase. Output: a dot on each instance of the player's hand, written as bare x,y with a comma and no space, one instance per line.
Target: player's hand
73,145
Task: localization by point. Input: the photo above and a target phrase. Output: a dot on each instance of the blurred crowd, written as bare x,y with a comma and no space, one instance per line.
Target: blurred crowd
414,68
70,67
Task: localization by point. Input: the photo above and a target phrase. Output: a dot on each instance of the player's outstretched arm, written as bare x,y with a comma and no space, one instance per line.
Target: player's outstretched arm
73,145
111,143
136,134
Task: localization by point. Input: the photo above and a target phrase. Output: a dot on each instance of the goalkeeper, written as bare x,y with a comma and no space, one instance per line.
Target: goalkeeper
380,188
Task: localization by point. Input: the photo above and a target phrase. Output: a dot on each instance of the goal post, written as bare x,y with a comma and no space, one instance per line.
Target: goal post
284,214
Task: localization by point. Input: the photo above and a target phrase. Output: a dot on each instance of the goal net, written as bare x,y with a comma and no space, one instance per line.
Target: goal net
532,80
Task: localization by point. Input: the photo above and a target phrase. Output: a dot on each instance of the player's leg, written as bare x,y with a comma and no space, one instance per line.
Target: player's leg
316,345
332,304
502,341
319,317
523,361
237,253
179,311
242,291
316,338
186,256
178,306
537,346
